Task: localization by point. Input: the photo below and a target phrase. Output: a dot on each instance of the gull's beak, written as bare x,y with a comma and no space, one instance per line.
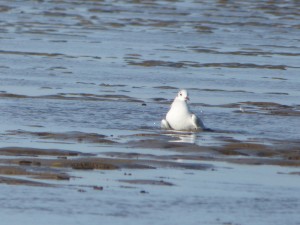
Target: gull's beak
187,98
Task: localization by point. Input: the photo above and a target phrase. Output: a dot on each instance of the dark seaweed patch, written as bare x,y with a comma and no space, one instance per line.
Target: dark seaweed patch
166,87
185,64
271,108
17,181
148,182
71,136
34,152
249,52
87,165
76,96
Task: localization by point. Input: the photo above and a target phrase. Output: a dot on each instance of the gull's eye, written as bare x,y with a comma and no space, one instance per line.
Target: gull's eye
180,94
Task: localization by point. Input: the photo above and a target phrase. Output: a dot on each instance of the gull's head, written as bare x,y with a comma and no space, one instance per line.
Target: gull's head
183,95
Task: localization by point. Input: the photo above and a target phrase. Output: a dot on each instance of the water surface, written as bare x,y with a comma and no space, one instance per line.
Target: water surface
98,76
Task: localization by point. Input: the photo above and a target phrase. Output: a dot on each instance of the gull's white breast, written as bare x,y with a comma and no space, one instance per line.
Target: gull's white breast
179,116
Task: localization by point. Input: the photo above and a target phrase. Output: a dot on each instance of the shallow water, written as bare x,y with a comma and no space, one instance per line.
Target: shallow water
113,68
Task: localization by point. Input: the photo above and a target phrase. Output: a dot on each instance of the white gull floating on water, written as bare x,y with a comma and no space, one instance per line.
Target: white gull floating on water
180,117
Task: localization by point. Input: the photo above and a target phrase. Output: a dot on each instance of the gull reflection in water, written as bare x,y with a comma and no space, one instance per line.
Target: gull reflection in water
183,137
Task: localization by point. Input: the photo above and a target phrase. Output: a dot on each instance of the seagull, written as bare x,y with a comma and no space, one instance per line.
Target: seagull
180,117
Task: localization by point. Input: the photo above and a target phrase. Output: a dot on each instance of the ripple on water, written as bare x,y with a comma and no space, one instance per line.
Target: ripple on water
84,85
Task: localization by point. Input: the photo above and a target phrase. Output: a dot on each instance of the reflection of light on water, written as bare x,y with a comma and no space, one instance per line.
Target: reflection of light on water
242,109
183,137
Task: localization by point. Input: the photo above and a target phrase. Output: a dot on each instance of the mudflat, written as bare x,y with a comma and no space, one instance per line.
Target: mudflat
85,84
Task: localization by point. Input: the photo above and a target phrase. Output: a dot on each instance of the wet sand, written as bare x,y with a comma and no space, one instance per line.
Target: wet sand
39,163
236,173
84,85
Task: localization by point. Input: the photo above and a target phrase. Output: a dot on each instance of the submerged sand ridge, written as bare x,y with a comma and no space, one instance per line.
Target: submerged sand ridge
60,164
55,164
